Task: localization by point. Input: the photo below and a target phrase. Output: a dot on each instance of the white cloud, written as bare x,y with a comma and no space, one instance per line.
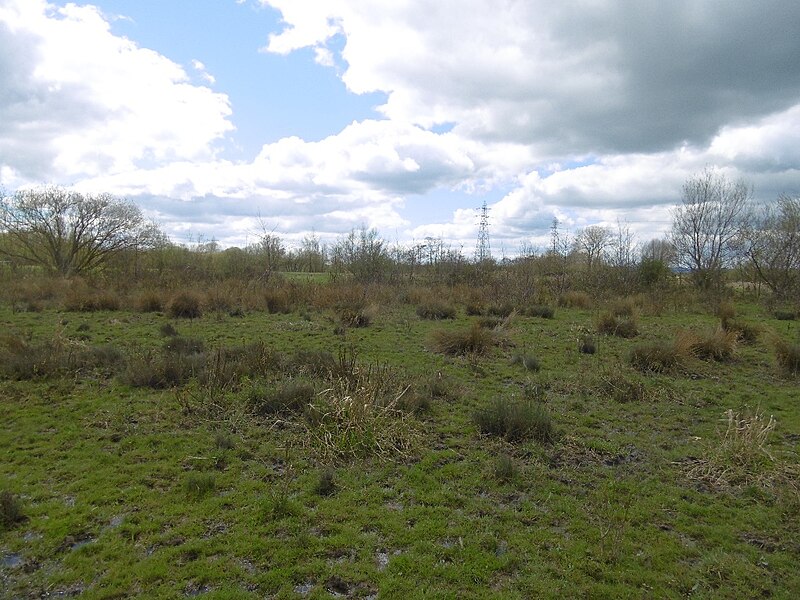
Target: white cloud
79,100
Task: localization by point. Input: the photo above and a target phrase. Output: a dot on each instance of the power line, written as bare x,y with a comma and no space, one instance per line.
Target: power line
483,248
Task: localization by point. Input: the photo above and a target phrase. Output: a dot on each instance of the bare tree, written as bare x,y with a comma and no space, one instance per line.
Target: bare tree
69,232
772,244
592,242
659,250
707,223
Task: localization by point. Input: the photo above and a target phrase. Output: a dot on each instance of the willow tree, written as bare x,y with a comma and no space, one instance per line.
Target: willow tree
68,232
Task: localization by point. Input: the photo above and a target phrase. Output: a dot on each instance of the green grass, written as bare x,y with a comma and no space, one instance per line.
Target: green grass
189,487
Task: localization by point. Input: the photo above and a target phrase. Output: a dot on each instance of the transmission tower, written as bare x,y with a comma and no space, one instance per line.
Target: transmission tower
483,249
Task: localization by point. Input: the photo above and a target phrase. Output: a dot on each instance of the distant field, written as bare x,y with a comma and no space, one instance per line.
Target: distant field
374,453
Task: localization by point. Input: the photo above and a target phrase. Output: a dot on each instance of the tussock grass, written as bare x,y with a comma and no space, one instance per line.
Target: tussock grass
515,420
714,344
607,323
287,397
459,342
11,512
746,333
660,356
575,299
787,356
539,310
185,305
622,387
149,301
587,344
529,362
199,485
436,310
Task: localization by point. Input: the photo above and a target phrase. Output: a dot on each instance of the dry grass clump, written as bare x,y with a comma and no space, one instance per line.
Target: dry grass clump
625,307
607,323
622,387
516,420
362,316
185,305
459,342
278,301
739,456
788,356
149,301
658,357
80,298
725,310
360,419
715,344
434,309
746,333
575,299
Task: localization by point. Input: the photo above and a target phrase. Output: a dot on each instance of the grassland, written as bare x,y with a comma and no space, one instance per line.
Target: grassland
290,455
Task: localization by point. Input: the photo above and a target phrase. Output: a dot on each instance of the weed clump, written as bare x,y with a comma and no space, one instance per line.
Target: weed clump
473,340
515,420
10,510
185,305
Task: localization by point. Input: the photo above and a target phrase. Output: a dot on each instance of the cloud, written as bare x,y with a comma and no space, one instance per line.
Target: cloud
566,78
77,100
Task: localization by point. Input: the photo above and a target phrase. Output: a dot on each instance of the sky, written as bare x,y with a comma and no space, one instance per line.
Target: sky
229,119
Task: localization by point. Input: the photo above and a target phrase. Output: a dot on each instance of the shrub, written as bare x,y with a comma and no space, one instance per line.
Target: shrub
10,510
539,310
515,420
788,356
185,305
198,485
608,323
473,340
436,310
575,299
293,396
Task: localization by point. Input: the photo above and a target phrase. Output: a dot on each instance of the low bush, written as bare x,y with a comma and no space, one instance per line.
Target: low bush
185,305
500,310
515,420
472,340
